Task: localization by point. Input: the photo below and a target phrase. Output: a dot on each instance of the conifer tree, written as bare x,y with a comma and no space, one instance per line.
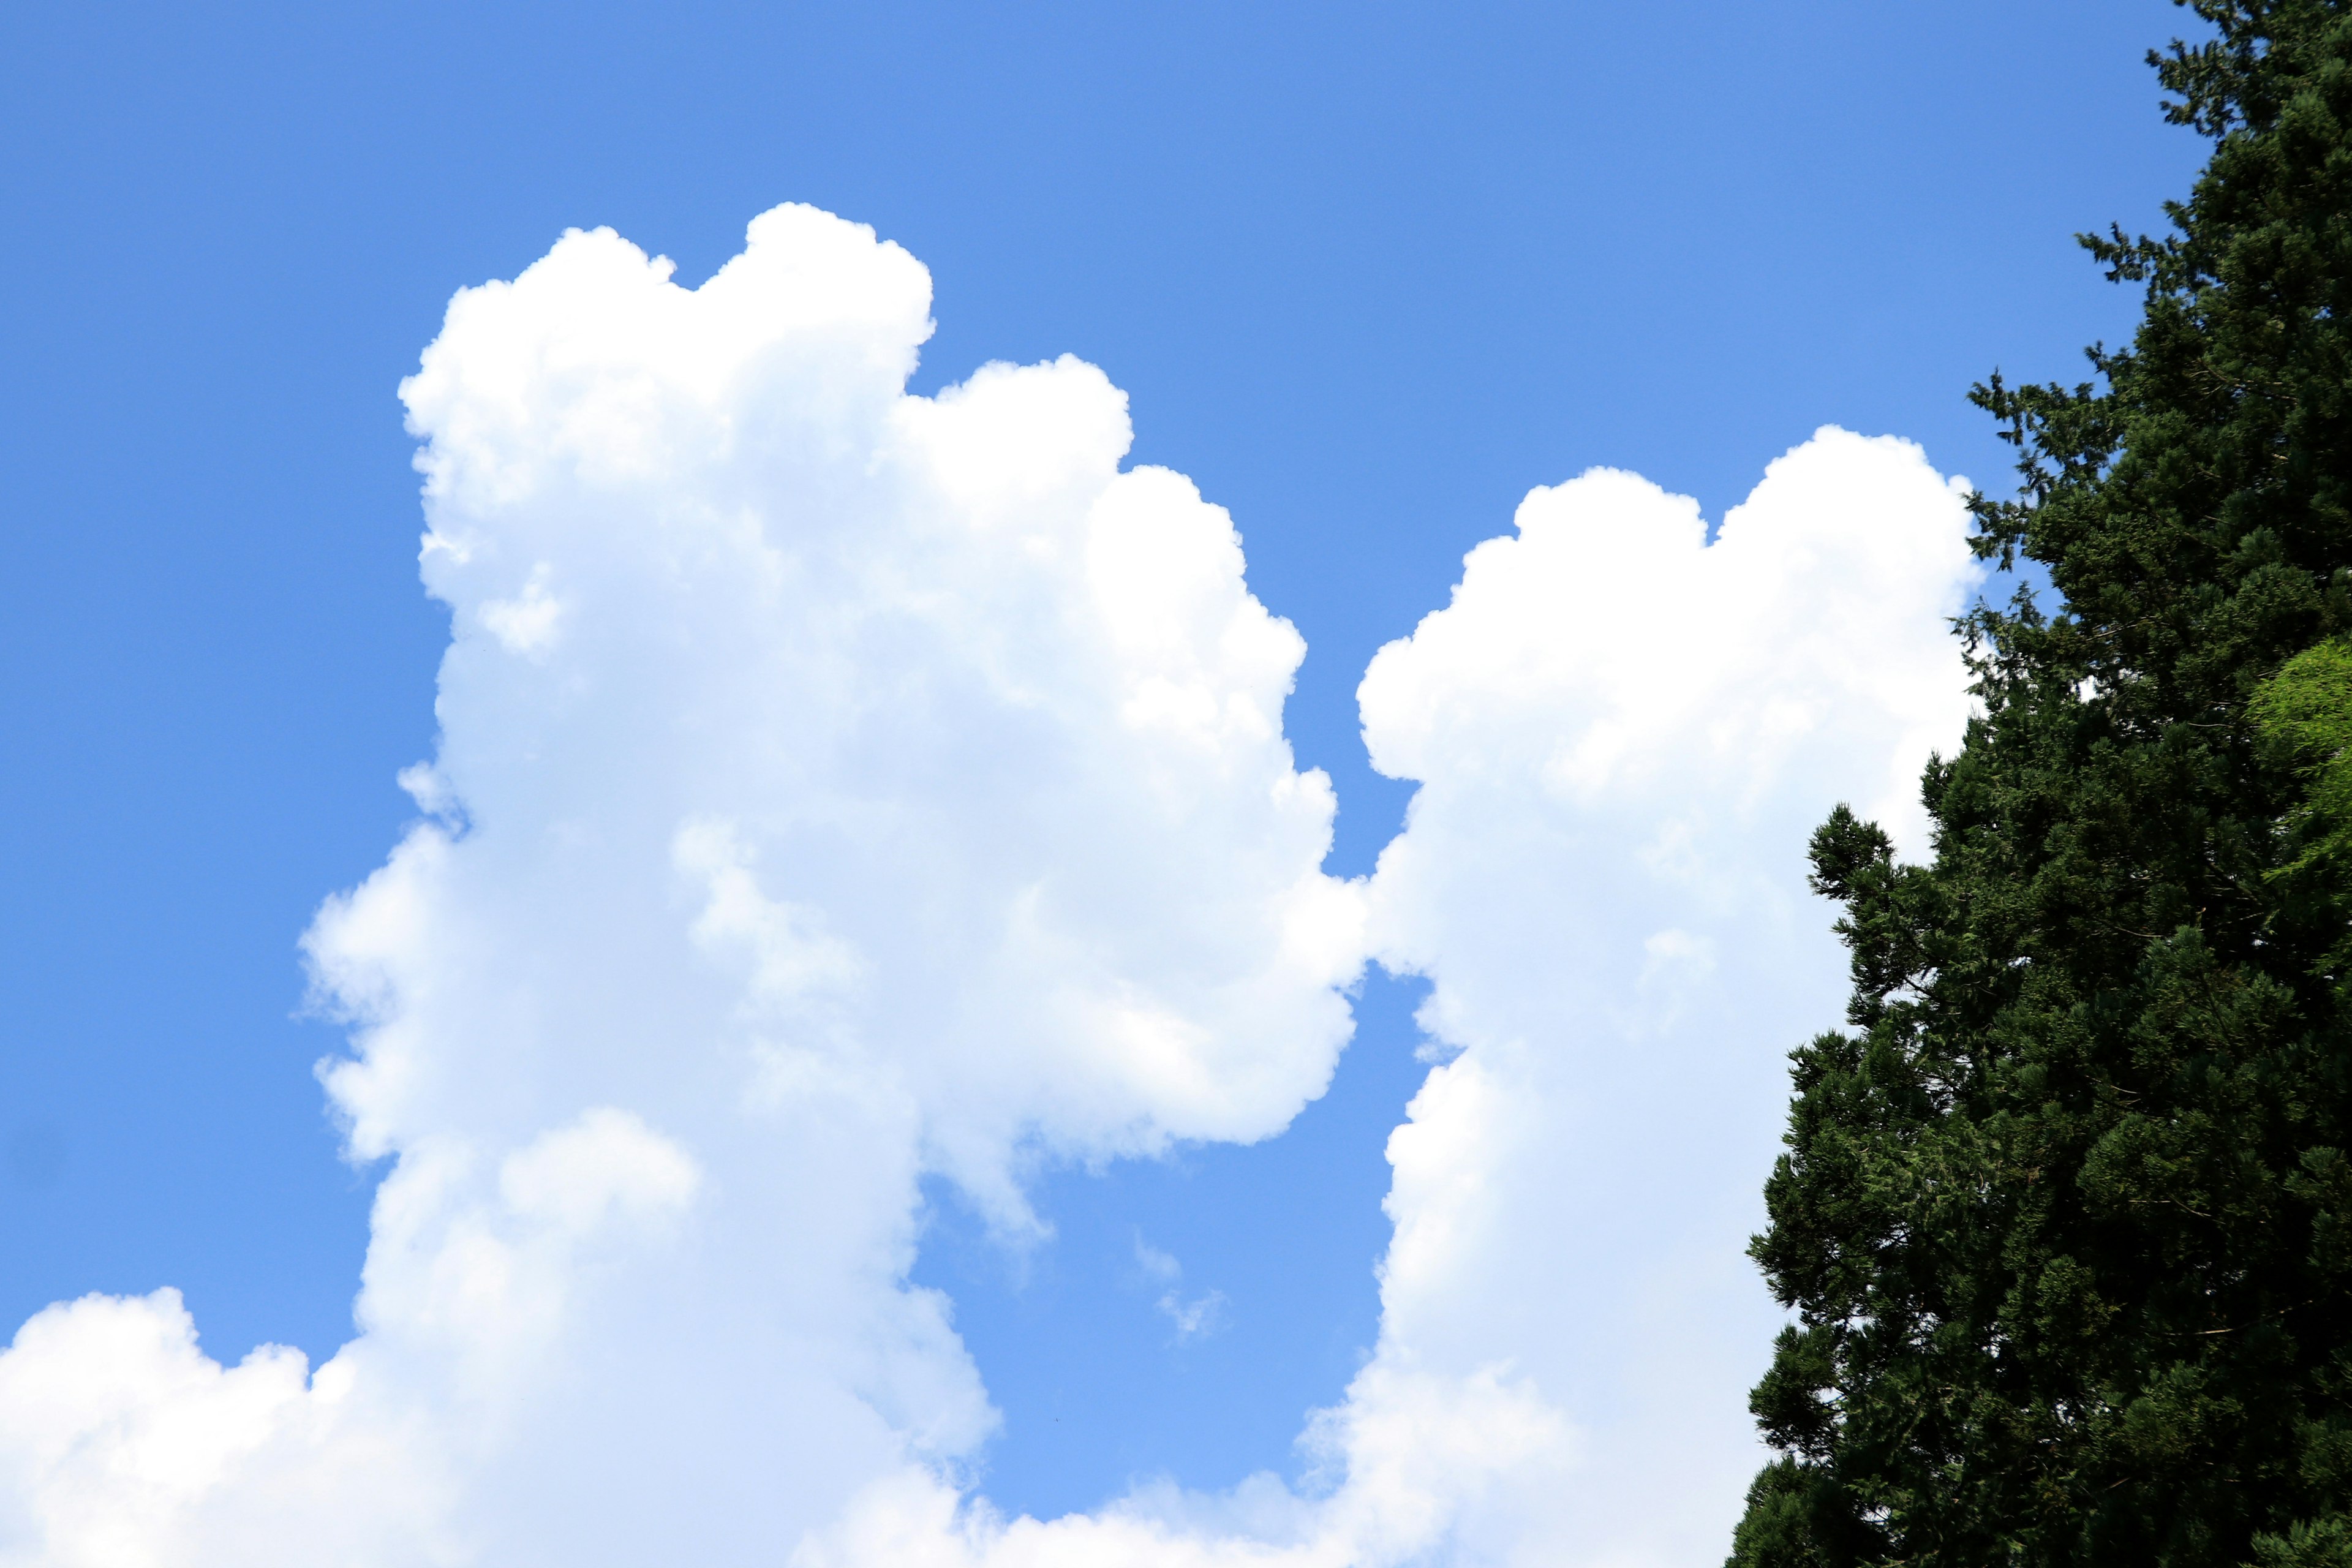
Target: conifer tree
2065,1214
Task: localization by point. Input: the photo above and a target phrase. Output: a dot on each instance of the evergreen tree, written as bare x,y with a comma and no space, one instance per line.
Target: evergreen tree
2065,1216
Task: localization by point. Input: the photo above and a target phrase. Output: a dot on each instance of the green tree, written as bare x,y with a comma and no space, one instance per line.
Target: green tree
2306,712
2065,1217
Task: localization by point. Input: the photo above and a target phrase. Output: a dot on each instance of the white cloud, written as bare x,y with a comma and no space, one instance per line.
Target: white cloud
832,785
1625,736
1203,1315
1156,1264
836,786
1198,1317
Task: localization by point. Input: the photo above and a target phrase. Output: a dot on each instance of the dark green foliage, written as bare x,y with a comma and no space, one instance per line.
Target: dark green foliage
2066,1215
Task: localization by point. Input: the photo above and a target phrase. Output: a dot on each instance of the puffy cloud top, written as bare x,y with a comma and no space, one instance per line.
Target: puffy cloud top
909,737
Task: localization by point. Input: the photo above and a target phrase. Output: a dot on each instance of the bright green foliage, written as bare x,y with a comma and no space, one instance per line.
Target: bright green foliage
2306,709
2065,1216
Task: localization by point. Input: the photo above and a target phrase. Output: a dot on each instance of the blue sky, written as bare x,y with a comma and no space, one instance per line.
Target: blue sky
1367,274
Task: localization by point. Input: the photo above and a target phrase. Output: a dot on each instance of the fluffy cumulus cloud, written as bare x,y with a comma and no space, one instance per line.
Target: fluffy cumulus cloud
1625,735
837,786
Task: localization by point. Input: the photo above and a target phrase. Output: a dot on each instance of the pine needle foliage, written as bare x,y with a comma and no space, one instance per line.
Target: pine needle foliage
2065,1214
